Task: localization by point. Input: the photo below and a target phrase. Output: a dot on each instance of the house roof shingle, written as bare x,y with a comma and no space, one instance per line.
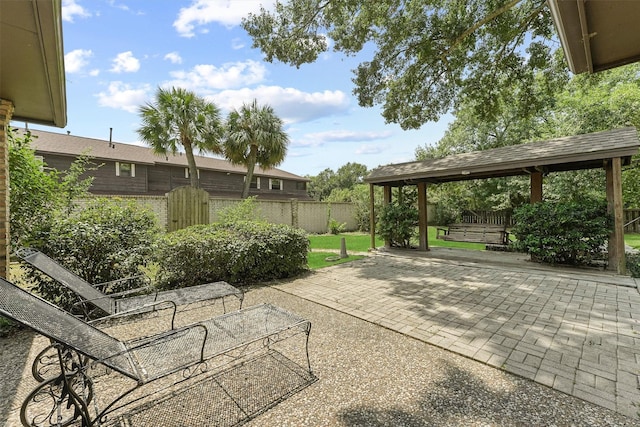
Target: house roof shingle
560,154
73,146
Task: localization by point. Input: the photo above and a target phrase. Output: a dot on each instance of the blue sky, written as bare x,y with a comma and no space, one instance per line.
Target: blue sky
118,52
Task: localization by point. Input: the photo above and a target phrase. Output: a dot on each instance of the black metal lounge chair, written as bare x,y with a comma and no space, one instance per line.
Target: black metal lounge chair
65,399
92,297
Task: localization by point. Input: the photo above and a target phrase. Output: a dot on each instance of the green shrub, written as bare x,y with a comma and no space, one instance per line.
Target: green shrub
240,252
336,227
397,224
573,232
246,210
101,243
37,192
633,265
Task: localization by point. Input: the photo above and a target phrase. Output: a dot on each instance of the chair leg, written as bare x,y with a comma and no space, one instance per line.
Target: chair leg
46,364
58,402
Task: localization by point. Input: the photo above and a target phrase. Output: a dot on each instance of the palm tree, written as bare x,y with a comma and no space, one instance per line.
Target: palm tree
255,135
180,118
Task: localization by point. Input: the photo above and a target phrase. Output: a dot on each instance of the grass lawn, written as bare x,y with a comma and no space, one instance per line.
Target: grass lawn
361,242
319,259
632,239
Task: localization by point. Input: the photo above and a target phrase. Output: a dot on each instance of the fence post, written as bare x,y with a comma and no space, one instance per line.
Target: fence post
294,213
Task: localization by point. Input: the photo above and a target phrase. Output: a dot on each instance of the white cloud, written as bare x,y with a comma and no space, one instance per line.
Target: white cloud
320,138
174,57
237,44
125,62
76,60
292,105
121,6
370,149
225,12
71,9
209,77
122,96
94,72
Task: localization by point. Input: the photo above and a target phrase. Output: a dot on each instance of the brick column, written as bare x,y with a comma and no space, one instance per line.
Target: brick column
6,111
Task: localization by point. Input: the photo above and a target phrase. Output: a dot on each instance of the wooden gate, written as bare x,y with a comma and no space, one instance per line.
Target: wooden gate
187,206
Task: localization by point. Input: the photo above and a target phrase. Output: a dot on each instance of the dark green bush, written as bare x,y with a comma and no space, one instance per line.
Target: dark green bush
633,265
101,243
239,252
397,224
573,232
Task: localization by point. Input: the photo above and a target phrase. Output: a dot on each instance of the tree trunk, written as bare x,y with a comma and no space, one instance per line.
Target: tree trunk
193,169
251,165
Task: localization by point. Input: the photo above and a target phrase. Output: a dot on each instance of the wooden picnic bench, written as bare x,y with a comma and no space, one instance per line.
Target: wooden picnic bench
489,234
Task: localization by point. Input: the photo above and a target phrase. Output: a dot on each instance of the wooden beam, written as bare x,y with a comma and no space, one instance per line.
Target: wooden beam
536,187
387,201
617,260
372,216
423,242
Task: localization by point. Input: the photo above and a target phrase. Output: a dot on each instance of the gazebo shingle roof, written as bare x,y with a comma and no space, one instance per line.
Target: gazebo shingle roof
560,154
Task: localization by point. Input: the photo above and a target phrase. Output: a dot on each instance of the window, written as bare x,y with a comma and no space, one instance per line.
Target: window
255,182
125,169
275,184
187,175
301,185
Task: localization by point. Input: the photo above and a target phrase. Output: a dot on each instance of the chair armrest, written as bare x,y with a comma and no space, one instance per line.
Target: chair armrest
165,336
137,310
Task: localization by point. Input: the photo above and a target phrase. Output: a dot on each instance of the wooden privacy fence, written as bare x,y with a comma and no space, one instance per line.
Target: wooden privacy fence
631,219
187,206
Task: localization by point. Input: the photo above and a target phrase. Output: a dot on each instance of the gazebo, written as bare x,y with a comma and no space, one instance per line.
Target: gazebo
608,149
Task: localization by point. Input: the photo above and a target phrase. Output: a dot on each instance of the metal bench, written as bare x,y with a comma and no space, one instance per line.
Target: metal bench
107,304
66,399
474,233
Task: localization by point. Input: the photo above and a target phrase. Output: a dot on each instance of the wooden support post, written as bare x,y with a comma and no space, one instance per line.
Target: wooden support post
387,201
536,187
423,243
372,216
617,260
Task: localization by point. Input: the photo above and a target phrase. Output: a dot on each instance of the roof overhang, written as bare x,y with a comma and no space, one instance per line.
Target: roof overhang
597,35
588,151
32,61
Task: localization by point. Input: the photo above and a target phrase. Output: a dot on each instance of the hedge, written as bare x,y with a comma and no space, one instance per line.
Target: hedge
241,252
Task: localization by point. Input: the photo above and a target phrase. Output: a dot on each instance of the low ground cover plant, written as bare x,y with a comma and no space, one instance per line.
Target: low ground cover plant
237,252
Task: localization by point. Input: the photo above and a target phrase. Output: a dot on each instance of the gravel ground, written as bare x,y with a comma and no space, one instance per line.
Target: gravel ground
367,376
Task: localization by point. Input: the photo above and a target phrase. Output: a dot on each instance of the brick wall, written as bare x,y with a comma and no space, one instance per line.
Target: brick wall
312,217
6,111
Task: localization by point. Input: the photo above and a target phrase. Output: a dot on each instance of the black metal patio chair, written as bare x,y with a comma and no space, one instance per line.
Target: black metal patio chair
112,303
66,399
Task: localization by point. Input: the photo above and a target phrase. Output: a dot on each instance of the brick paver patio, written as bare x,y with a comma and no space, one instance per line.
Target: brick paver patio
572,331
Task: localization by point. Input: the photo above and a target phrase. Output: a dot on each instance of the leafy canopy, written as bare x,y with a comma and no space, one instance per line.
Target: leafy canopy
38,193
428,55
586,103
179,118
255,136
